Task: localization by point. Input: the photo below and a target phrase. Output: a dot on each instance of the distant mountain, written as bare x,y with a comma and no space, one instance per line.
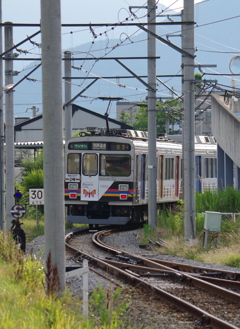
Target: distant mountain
210,37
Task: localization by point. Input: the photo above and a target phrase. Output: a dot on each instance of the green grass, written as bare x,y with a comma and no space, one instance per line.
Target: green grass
223,249
24,302
34,228
27,307
222,200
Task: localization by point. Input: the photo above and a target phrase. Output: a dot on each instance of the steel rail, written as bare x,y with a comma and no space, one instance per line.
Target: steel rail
150,271
198,313
199,269
197,282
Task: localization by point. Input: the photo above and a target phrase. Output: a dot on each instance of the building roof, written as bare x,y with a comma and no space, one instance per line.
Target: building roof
75,109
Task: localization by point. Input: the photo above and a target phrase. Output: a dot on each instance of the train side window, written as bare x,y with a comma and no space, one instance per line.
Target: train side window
181,171
206,168
210,166
115,165
90,164
214,167
169,168
143,176
73,163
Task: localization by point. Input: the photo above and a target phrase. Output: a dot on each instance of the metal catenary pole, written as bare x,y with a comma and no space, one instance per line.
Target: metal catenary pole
152,127
54,224
9,120
68,95
2,194
189,121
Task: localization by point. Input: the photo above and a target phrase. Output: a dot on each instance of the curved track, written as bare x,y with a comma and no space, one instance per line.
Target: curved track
137,268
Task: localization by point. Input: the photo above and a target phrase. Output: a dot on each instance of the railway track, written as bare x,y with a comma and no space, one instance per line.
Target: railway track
198,291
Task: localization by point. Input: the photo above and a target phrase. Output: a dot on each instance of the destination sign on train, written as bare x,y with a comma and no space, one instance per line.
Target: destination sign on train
100,146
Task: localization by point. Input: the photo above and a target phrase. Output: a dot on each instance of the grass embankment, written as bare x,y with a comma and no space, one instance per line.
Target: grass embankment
24,303
222,248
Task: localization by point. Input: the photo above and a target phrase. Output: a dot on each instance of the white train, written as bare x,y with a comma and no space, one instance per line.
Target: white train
106,175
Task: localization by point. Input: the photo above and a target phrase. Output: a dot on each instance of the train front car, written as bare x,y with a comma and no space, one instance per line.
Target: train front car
99,179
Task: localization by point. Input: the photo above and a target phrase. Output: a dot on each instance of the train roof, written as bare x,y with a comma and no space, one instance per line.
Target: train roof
139,138
199,139
127,133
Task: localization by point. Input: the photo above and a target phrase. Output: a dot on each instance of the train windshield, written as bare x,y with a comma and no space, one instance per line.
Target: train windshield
115,165
73,163
90,164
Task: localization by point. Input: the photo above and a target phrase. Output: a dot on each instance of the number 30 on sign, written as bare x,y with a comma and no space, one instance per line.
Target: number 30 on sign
36,197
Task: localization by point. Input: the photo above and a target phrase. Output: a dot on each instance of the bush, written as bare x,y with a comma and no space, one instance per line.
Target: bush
233,261
171,222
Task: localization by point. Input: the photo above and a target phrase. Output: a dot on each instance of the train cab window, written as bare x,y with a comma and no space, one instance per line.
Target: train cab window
73,163
115,165
90,164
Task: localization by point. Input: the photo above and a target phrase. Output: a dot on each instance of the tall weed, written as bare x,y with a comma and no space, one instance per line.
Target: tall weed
171,221
221,200
106,311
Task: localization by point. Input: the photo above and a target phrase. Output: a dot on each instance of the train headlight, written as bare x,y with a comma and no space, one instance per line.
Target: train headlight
72,186
123,196
123,187
72,195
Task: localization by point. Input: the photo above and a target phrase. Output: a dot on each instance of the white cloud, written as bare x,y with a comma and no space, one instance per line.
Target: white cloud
176,4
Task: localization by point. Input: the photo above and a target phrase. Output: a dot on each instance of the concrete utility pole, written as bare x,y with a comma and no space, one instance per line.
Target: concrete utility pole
152,124
34,111
2,194
9,119
189,121
54,222
68,95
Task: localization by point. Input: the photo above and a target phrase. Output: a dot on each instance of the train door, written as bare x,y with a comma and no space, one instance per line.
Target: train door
160,171
176,176
143,176
198,166
89,177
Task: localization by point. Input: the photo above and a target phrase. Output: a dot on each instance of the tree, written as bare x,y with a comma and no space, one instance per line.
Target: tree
32,176
168,111
141,119
29,165
124,117
33,181
32,173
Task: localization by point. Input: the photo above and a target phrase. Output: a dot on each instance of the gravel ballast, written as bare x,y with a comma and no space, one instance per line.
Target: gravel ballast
145,311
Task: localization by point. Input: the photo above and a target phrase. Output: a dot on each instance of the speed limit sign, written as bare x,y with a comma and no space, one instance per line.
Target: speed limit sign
36,196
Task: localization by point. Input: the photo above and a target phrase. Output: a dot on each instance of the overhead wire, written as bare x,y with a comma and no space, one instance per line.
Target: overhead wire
117,45
128,38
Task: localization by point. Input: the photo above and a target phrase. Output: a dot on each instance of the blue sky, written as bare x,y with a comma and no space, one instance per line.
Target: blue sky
75,11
